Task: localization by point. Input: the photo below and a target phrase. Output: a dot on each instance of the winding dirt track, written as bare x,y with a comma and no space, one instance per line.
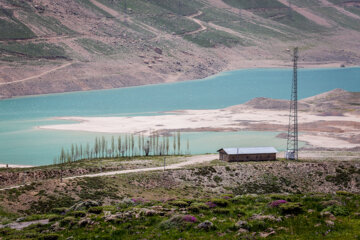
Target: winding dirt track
190,161
37,76
193,18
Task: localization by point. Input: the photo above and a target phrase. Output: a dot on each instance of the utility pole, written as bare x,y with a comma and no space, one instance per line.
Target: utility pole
292,139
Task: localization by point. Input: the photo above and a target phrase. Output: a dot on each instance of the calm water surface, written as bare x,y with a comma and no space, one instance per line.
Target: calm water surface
22,143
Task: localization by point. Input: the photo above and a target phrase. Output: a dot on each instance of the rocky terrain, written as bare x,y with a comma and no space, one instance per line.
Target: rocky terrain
74,45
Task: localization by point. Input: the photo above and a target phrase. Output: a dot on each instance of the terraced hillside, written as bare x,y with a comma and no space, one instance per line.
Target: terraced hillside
71,45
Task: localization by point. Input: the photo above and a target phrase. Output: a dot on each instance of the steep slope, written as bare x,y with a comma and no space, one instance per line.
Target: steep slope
71,45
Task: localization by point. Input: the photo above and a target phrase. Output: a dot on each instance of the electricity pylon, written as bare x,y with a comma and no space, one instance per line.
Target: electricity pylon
292,139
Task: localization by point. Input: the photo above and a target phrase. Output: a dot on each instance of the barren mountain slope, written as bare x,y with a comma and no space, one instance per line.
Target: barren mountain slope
71,45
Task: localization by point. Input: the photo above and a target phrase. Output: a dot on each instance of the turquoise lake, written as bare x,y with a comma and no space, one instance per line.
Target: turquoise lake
22,143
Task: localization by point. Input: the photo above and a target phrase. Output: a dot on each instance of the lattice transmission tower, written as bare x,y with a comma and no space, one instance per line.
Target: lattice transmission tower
292,139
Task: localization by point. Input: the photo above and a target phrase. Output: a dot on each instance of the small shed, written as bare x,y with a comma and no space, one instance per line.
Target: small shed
247,154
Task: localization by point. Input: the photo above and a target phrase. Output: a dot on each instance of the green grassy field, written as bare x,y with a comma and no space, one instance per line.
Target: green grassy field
12,28
276,11
211,38
274,216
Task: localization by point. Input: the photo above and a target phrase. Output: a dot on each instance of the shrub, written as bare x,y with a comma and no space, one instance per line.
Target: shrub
257,225
277,203
68,221
179,203
137,200
227,196
51,236
220,202
210,204
78,214
96,210
189,218
239,199
194,209
344,193
337,210
223,211
54,217
59,210
202,206
217,179
178,221
291,208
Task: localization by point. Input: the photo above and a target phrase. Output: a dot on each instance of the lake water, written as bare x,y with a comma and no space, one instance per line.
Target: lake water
22,143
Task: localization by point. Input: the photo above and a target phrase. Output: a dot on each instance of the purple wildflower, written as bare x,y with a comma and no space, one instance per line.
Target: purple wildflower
277,203
226,197
211,204
137,200
189,218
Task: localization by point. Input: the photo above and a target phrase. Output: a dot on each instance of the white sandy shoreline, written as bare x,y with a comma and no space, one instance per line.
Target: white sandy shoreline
14,166
234,118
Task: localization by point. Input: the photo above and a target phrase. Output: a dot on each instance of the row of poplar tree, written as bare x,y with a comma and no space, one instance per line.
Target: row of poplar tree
129,145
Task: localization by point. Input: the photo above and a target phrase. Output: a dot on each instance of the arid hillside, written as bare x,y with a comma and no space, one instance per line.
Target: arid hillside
73,45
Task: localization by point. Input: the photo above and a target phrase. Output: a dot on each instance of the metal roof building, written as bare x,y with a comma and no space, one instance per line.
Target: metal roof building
247,154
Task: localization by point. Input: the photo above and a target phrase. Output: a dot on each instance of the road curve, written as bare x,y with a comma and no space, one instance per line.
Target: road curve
190,161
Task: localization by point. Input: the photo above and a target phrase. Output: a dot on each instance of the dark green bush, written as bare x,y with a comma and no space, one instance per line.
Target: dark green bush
78,214
96,210
344,193
337,210
220,202
179,203
51,236
61,210
291,208
257,225
223,211
202,206
67,221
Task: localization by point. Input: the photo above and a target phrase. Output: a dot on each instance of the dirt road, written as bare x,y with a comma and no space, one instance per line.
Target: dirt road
190,161
193,18
37,76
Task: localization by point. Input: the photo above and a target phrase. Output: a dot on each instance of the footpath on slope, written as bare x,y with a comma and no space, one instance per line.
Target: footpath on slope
190,161
37,76
193,18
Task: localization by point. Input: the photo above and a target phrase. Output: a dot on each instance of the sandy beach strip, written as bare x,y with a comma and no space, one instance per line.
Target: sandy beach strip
15,166
224,119
229,119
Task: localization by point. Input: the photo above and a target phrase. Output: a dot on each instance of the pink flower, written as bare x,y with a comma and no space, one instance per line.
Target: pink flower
189,218
277,203
211,204
137,200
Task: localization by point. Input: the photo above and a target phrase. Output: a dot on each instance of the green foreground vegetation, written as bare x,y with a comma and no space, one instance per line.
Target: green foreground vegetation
274,216
215,200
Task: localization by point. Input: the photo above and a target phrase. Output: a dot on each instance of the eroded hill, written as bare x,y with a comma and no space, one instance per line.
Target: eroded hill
70,45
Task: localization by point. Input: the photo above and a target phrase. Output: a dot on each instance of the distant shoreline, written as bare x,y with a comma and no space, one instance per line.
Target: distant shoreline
333,130
314,66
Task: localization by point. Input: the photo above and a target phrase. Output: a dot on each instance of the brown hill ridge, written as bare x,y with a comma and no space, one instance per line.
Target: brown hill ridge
51,46
337,101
